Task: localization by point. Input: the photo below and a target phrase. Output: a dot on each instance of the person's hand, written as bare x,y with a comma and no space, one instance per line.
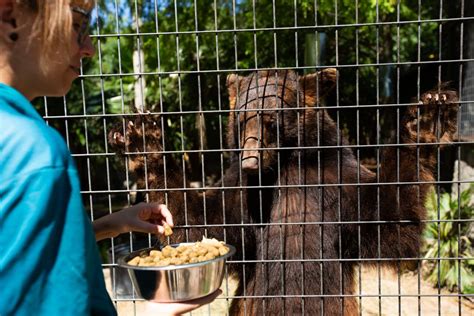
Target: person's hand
143,217
169,309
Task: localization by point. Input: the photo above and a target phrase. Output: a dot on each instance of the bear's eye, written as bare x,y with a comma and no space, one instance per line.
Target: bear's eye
273,124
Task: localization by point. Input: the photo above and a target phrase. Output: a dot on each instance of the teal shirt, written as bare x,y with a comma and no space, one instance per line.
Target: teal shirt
49,261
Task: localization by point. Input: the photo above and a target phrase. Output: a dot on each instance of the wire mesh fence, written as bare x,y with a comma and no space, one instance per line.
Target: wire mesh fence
310,134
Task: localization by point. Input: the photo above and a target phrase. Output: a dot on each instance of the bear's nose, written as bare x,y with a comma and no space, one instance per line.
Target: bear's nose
250,164
250,155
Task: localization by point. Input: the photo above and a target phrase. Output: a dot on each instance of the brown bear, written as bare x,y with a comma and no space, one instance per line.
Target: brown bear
325,211
299,208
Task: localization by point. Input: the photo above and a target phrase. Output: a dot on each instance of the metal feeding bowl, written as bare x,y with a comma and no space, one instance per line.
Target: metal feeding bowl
175,283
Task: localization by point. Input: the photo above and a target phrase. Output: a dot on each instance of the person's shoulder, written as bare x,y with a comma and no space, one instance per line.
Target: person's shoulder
28,144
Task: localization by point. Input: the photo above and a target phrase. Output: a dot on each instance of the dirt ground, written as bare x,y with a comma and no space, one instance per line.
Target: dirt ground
410,304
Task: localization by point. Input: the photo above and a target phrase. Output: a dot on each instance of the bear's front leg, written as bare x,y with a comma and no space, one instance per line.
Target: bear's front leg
406,174
433,119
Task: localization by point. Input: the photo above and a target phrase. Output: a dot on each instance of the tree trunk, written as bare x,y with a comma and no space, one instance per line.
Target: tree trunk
139,67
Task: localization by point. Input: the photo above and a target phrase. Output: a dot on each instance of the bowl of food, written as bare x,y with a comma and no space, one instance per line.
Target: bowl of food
178,272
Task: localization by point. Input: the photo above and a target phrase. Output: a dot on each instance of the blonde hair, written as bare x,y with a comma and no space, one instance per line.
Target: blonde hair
53,24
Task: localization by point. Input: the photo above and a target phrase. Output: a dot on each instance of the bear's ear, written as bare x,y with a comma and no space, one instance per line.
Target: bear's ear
316,86
232,84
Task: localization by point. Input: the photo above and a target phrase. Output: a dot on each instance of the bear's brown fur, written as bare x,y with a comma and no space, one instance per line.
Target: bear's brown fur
292,201
306,261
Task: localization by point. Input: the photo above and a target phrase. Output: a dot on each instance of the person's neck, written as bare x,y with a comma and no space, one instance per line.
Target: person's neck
10,78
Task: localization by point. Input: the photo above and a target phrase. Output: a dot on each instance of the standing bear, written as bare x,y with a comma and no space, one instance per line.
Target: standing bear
296,204
322,211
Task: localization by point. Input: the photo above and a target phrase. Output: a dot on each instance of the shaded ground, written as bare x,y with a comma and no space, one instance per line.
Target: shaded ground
409,303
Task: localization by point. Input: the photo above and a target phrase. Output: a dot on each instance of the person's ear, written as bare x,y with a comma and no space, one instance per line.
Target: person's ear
8,26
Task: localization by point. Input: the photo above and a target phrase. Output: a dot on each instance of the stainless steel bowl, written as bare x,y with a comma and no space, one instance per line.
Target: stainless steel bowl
176,283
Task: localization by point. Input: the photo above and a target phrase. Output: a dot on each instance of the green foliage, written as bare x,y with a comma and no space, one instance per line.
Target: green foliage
169,52
180,64
448,239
